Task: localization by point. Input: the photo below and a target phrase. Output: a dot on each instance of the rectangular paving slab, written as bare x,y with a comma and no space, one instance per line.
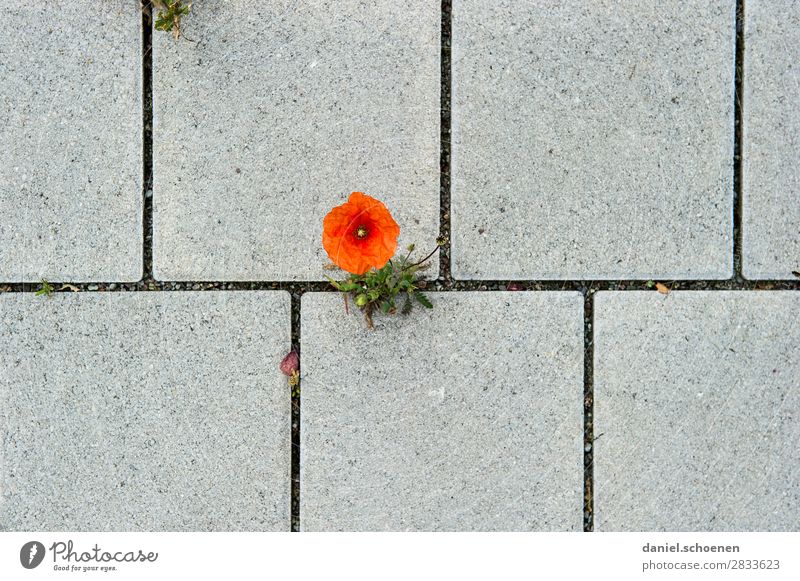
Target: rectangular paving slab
70,140
274,114
592,140
696,408
465,417
771,168
144,411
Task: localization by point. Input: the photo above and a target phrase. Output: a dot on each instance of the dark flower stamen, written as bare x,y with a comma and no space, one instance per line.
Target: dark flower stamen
361,232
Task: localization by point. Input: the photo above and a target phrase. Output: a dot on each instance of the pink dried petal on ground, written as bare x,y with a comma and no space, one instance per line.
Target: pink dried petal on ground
291,363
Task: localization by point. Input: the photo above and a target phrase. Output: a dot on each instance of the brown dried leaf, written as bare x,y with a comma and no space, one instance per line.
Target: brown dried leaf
662,288
71,287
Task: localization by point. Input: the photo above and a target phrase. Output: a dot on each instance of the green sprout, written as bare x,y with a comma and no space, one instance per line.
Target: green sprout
46,290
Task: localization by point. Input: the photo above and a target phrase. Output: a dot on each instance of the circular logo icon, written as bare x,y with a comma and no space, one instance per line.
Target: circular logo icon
31,554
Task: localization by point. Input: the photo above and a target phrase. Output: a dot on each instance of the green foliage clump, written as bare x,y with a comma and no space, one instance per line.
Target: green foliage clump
169,15
394,288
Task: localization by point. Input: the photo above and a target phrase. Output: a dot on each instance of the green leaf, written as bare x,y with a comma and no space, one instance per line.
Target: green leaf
46,290
336,284
423,300
349,287
345,286
386,306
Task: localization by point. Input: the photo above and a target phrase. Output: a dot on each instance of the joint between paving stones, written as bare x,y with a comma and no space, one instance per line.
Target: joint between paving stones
445,143
738,142
439,285
295,418
588,412
147,144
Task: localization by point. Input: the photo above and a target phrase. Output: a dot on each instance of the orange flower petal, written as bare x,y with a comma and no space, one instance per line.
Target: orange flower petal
360,234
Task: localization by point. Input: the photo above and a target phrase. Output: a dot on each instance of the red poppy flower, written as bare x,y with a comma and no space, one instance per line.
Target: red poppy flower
360,234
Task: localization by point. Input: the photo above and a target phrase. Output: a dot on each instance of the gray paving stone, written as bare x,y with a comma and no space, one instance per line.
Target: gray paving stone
144,411
592,140
771,168
274,114
696,408
70,140
466,417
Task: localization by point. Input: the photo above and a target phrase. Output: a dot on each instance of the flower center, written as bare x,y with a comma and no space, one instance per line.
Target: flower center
361,232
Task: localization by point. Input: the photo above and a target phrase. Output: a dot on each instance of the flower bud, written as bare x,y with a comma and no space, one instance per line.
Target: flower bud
291,363
361,300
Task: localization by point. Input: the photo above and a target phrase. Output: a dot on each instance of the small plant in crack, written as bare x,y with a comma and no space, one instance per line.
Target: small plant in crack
360,237
395,285
170,13
46,290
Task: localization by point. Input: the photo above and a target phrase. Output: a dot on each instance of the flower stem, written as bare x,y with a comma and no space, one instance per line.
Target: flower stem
432,252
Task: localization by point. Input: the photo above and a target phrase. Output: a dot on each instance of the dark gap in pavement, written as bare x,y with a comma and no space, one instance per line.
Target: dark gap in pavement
432,285
444,142
147,142
295,418
588,411
738,142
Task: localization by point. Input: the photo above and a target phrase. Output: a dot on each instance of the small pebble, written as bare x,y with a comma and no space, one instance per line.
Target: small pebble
93,287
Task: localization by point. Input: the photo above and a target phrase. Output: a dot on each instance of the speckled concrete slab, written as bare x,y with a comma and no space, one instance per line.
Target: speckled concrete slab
274,114
144,411
696,408
465,417
592,140
70,141
771,163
